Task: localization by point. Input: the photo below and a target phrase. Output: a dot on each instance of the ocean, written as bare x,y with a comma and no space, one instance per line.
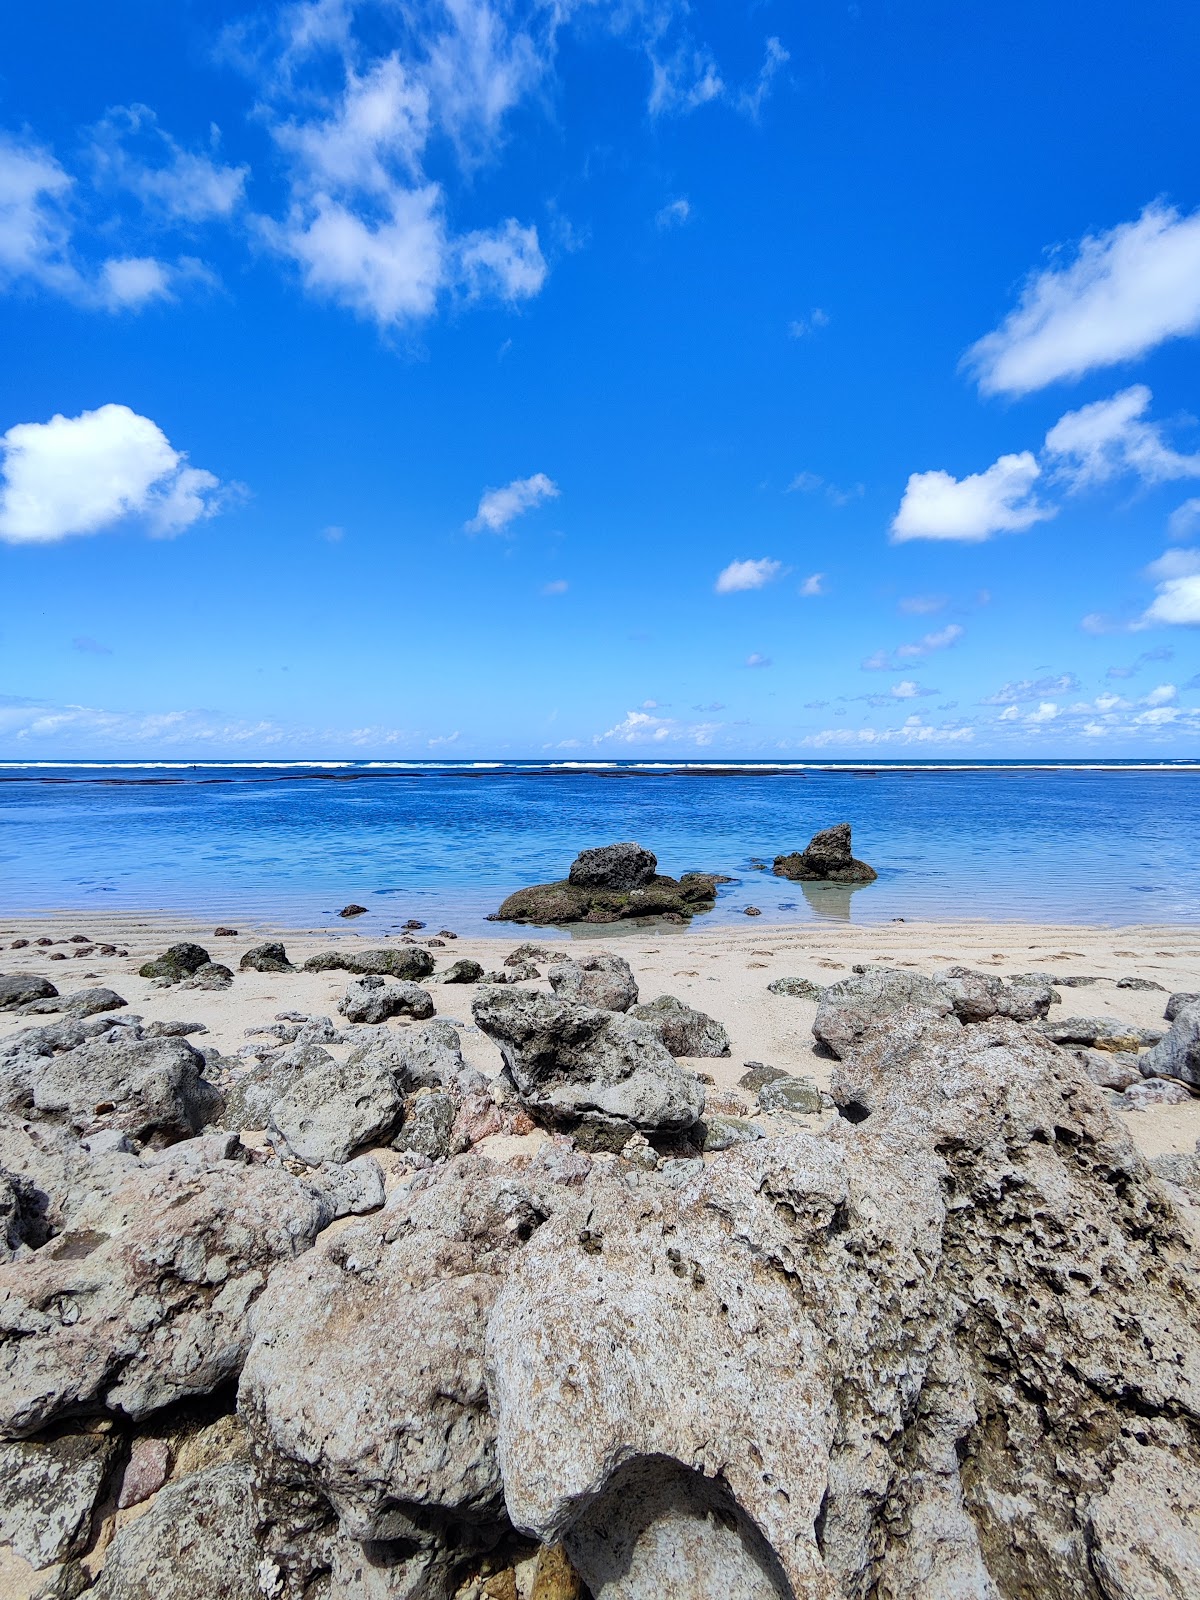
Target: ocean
290,843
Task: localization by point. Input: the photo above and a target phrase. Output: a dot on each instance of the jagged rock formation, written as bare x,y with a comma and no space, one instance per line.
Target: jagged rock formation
826,858
604,980
684,1030
610,884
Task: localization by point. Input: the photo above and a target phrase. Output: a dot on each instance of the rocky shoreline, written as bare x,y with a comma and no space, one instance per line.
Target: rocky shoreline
427,1286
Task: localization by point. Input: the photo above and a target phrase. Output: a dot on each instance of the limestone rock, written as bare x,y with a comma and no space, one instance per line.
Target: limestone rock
576,1067
176,962
827,858
22,989
50,1489
606,981
83,1003
613,866
143,1298
721,1132
797,988
373,1000
1177,1002
335,1108
980,996
1111,1069
850,1008
1178,1054
684,1030
428,1125
268,957
795,1095
408,961
463,971
1156,1092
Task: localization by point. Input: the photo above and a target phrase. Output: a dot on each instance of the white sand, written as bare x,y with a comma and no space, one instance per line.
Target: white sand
723,971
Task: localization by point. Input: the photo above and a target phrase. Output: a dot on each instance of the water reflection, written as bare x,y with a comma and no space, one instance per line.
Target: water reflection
831,900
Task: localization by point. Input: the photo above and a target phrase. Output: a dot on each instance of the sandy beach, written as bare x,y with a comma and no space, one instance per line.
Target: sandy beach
723,972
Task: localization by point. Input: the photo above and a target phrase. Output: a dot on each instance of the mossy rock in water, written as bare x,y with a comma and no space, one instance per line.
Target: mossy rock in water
564,901
826,858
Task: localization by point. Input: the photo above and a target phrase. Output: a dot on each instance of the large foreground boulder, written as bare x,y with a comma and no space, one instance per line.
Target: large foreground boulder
335,1108
610,884
411,961
596,1073
826,858
143,1298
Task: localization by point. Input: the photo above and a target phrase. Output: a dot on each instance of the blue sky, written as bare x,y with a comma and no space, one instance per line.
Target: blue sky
594,380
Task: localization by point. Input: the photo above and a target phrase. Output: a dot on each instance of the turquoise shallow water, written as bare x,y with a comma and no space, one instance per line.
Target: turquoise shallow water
291,844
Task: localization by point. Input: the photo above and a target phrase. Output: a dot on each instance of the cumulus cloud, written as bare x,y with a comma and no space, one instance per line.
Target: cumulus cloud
1001,500
499,507
80,475
1184,521
741,575
1177,604
1111,437
506,262
1119,295
34,230
814,584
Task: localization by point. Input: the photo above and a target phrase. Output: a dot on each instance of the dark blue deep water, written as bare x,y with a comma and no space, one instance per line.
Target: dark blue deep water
290,844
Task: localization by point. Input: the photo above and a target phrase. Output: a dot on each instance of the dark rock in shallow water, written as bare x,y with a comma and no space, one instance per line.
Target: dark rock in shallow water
407,961
269,957
352,911
22,989
826,858
180,961
614,866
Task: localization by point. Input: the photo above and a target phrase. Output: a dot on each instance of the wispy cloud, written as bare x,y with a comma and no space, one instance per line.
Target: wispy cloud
500,507
674,214
914,650
1032,689
555,586
813,322
814,584
1117,296
757,660
1111,437
742,575
813,483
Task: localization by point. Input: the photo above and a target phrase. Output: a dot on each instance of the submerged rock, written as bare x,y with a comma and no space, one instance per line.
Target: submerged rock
826,858
610,884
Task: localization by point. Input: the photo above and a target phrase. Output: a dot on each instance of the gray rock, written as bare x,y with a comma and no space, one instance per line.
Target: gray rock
248,1102
606,981
1156,1092
268,957
1178,1054
83,1003
797,988
23,988
198,1541
576,1067
980,996
371,1000
428,1126
827,857
757,1074
1139,983
1101,1033
1111,1069
410,961
1182,1169
352,1189
684,1030
522,973
144,1297
526,952
428,1057
176,962
50,1490
463,971
20,1208
613,866
212,975
1177,1002
152,1089
335,1108
796,1095
365,1381
849,1008
721,1132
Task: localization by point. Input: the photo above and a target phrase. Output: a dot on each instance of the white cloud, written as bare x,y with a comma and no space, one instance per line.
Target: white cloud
674,214
801,327
1177,604
1174,564
1123,293
750,101
916,650
922,605
683,81
1047,711
1110,437
1184,520
757,660
740,575
1163,695
34,230
907,689
637,727
79,475
556,586
814,584
912,731
499,507
1000,500
383,117
1032,689
505,261
131,282
182,185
